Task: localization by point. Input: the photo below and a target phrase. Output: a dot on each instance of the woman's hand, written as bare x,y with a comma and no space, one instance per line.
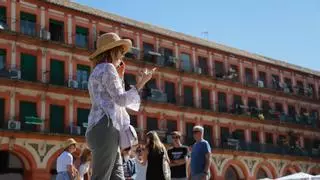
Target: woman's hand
144,77
121,69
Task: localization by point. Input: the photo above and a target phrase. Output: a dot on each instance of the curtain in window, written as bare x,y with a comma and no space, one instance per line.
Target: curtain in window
28,67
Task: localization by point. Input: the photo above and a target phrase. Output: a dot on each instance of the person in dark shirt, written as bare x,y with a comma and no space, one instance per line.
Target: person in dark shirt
178,155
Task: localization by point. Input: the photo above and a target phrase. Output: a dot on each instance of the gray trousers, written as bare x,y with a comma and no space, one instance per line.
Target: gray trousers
103,140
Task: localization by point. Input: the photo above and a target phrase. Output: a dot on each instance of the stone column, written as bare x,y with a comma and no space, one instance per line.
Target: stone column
70,29
13,15
211,72
42,17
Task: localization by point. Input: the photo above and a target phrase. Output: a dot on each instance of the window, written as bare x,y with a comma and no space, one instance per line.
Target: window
224,133
57,72
134,120
82,37
2,113
28,24
252,104
279,107
170,91
265,106
27,109
308,144
186,62
238,134
275,81
291,111
147,47
2,59
188,96
146,92
189,133
203,65
262,78
269,138
254,137
205,99
57,118
83,73
56,29
28,67
249,76
3,16
82,115
222,102
219,69
300,87
237,103
208,134
167,57
288,85
171,125
152,124
129,79
310,90
233,73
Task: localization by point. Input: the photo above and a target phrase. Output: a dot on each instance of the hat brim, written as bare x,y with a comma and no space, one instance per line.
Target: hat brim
71,142
125,43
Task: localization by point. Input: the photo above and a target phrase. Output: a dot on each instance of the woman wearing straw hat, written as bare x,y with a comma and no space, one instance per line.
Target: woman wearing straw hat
108,116
65,167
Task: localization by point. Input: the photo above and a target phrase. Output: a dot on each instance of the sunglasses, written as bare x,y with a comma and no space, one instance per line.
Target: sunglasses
175,137
196,131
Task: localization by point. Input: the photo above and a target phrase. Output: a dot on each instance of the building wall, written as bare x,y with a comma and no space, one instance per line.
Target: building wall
39,150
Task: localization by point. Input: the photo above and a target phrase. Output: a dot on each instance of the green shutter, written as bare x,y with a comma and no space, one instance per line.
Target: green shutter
81,30
27,109
28,67
2,111
82,115
56,72
27,17
83,68
56,119
60,23
3,14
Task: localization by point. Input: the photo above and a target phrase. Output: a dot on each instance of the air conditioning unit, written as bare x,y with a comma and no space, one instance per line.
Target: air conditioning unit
199,70
15,74
76,130
73,84
45,34
4,26
14,125
260,84
172,59
154,53
157,95
135,50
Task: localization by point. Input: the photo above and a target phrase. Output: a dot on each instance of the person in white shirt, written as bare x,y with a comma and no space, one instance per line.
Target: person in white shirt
108,116
84,167
65,167
141,166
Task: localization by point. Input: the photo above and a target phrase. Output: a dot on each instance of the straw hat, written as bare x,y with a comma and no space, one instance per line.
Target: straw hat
108,41
69,142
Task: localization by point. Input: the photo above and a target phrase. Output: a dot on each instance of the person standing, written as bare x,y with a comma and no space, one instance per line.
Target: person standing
129,165
65,167
200,156
154,154
178,155
108,116
141,166
84,168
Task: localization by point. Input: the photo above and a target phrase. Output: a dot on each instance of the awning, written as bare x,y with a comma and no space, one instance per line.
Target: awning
33,120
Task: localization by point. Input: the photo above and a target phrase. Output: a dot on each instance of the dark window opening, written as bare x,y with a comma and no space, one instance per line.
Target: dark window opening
188,96
56,29
219,69
205,99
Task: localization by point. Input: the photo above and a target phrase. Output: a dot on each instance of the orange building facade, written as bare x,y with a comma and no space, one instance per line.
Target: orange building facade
261,116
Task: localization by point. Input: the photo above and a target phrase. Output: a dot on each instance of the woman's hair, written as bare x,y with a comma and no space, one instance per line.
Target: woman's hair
108,55
85,156
154,142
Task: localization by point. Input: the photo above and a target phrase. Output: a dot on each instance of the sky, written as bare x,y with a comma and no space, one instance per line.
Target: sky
287,30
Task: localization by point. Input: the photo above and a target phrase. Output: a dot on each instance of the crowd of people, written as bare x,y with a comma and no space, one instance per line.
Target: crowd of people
146,161
114,150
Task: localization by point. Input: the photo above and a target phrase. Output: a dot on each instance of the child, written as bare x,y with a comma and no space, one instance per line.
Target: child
65,167
129,165
84,168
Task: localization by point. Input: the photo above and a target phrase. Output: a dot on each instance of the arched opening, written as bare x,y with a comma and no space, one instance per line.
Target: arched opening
11,166
231,174
262,174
